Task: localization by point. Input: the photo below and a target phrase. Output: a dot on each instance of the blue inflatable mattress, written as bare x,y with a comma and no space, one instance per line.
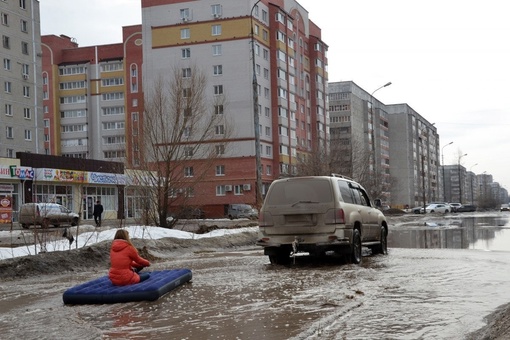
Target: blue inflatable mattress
102,290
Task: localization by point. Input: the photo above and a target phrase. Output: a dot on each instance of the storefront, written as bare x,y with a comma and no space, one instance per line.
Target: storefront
12,178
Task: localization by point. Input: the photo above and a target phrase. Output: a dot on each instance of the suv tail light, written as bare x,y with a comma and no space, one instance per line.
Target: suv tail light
265,220
335,216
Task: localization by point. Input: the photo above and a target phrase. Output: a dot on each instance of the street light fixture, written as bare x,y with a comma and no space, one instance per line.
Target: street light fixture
372,118
258,162
460,179
442,162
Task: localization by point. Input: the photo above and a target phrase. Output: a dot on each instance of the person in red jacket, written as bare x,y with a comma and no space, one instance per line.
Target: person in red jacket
125,261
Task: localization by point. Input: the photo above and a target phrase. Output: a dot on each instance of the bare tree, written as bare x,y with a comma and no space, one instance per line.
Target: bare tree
184,131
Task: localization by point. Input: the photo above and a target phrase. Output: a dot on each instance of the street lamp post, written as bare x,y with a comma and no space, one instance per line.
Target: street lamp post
460,179
372,133
442,162
258,165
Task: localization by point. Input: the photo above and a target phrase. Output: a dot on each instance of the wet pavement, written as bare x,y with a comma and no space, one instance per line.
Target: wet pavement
438,282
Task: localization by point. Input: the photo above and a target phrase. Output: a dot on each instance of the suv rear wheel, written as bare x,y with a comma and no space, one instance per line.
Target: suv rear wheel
281,257
356,247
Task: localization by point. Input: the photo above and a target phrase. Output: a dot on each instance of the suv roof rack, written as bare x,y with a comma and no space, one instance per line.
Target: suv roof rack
341,176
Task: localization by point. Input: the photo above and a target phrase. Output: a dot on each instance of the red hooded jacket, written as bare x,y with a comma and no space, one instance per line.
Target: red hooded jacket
123,258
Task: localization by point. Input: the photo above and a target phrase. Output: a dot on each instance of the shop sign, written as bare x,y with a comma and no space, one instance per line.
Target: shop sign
5,172
22,172
6,188
5,209
107,178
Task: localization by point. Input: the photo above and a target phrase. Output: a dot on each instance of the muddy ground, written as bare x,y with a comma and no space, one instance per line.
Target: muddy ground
97,256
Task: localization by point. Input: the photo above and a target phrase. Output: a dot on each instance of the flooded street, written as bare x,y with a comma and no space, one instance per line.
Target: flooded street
438,282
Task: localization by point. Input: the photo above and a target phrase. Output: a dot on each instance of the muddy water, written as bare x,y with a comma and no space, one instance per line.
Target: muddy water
413,293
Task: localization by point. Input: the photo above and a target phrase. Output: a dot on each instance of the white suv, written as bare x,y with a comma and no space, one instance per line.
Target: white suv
317,214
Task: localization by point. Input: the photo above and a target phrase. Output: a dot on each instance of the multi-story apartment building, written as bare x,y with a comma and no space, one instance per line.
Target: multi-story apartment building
21,119
360,137
91,97
290,66
414,166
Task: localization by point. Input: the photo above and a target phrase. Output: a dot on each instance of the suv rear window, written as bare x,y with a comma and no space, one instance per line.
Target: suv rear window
301,190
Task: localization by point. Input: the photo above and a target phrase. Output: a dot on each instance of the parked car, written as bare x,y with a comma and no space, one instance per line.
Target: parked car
504,207
242,211
316,214
467,208
46,214
455,206
438,208
418,210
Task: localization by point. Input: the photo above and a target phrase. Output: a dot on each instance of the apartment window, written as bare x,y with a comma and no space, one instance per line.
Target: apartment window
218,90
70,85
280,18
186,92
134,116
216,10
28,135
264,15
8,109
113,96
268,131
46,123
269,171
185,33
188,151
220,129
220,149
186,72
186,132
267,112
216,49
217,70
69,70
186,53
25,70
238,189
7,87
188,171
266,73
24,47
186,112
220,190
216,30
7,64
185,14
113,126
6,42
220,170
24,26
23,4
105,67
256,29
218,109
9,132
26,113
268,150
10,153
112,110
266,92
5,19
265,35
104,82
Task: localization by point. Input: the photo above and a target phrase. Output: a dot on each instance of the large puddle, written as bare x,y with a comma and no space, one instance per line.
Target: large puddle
454,232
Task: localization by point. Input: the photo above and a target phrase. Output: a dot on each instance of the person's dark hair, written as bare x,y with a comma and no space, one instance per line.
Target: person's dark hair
122,234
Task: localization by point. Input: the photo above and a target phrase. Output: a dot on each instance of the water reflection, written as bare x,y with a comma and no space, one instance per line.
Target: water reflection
474,232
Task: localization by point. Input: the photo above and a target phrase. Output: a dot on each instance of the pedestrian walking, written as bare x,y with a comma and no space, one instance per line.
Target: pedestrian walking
98,210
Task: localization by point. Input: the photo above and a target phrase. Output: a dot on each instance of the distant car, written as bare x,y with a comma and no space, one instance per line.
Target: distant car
438,208
242,211
46,214
467,208
455,206
417,210
504,207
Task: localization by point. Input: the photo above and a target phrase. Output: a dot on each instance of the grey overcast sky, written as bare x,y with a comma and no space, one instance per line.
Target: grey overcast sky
449,60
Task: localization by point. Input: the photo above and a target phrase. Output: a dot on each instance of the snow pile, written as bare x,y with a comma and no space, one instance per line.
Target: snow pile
90,238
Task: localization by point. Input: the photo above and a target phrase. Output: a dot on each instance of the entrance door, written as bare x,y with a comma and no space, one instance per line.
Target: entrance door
88,208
